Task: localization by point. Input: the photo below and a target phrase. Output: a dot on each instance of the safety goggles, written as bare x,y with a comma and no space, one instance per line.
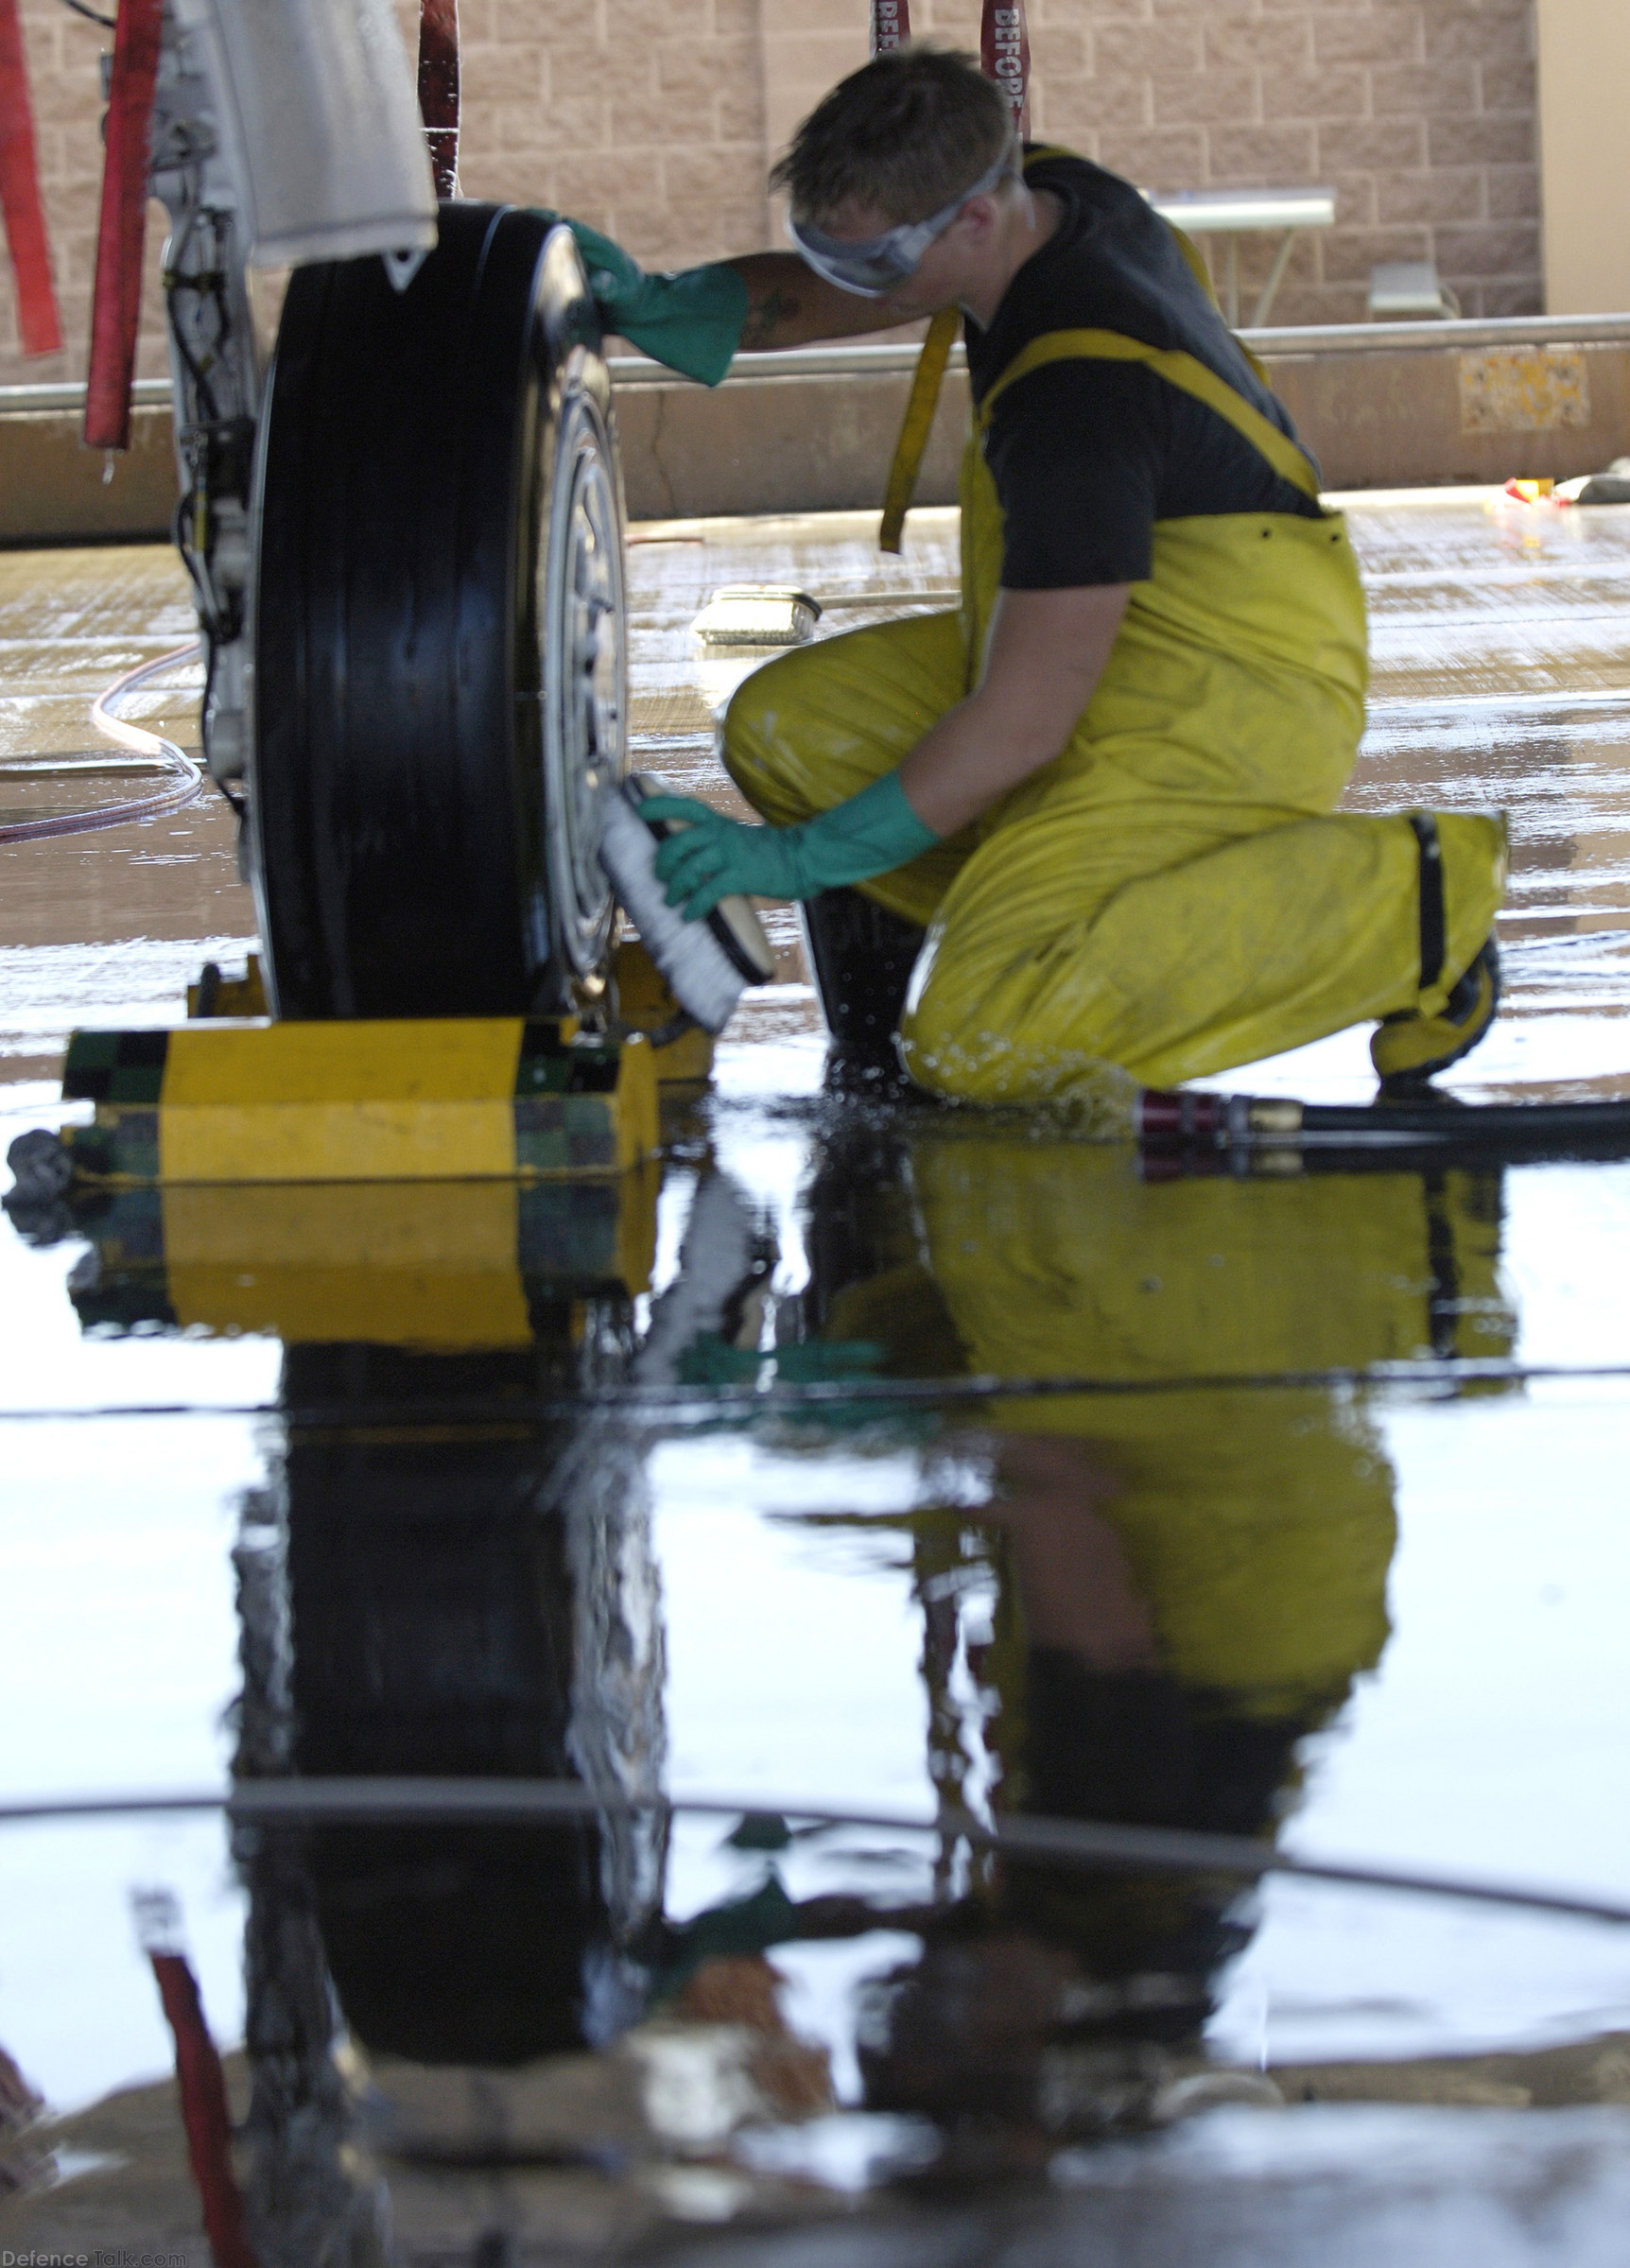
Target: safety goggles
874,266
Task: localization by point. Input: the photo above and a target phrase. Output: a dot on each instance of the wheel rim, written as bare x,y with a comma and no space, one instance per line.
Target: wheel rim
580,608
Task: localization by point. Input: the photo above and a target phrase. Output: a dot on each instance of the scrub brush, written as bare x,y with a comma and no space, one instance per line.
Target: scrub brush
757,614
707,964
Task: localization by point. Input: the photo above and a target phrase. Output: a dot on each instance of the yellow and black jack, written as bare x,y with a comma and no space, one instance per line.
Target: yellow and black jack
235,1096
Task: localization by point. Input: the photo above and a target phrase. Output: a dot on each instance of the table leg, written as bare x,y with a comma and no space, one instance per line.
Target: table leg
1275,277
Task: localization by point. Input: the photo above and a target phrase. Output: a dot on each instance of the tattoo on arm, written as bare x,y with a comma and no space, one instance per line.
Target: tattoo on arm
765,317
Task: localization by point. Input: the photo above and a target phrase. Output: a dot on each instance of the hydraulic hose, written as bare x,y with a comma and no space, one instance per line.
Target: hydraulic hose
1179,1120
188,776
1502,1122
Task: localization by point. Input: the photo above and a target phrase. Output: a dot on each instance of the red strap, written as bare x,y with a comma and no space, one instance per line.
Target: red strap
204,2113
117,302
1004,55
439,88
20,194
890,25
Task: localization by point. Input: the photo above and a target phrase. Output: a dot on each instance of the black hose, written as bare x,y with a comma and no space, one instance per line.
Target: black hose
1505,1125
1085,1843
1181,1123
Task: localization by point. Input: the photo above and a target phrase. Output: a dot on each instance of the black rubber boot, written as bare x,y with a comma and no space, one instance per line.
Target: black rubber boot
862,956
1408,1048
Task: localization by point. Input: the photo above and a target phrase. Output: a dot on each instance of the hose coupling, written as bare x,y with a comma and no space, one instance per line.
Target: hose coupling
1179,1118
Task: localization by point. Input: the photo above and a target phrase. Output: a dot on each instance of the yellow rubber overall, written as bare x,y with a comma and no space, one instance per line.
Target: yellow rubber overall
1258,1521
1175,894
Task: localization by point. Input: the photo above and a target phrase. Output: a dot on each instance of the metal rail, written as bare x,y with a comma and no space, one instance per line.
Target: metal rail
899,358
1037,1839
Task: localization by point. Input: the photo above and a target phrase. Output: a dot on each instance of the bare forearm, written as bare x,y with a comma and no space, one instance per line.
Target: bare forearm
1048,649
968,761
789,306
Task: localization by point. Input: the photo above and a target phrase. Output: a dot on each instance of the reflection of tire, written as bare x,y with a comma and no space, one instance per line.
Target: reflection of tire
438,695
487,1609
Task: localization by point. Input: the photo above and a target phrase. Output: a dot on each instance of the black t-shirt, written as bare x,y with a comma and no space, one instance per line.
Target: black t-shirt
1087,456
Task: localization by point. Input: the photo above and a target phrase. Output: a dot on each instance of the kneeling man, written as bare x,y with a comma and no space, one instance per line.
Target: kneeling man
1105,787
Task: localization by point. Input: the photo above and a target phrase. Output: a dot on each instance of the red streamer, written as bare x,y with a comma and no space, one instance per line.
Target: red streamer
1004,55
439,88
25,215
204,2110
890,25
117,302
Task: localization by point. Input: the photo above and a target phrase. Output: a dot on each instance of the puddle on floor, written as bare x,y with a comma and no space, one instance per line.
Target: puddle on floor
533,1525
860,1461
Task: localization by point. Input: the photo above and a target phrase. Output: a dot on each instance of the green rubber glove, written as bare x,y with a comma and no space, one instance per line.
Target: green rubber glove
718,857
711,1360
691,322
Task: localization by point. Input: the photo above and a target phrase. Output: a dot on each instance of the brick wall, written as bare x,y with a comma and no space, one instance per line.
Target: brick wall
1419,113
656,119
643,116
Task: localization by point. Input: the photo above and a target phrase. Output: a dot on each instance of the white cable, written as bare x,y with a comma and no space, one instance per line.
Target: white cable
189,775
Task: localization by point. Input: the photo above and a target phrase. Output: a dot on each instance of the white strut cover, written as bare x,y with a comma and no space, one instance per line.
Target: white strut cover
319,127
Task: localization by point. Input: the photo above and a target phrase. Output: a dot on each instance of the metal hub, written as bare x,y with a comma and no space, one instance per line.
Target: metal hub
581,610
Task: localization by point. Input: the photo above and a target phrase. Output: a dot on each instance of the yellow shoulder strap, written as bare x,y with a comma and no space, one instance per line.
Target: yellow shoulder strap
919,418
1184,371
924,399
1178,368
1201,275
1196,260
1186,245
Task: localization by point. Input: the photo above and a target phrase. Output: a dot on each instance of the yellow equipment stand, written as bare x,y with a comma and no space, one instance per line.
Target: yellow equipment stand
240,1098
460,1264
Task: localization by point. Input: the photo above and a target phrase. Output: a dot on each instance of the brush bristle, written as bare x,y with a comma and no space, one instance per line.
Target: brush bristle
700,973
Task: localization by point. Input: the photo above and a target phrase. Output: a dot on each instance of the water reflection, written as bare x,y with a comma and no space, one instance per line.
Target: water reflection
481,1605
1161,1597
1147,1597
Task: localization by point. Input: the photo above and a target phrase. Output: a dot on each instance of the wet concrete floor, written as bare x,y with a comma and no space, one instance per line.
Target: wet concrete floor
859,1461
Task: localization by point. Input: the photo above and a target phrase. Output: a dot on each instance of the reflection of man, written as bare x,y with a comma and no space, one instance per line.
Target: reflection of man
1107,785
1170,1588
1174,1612
1235,1504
